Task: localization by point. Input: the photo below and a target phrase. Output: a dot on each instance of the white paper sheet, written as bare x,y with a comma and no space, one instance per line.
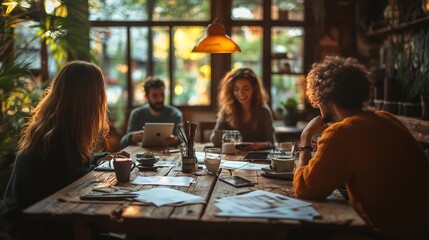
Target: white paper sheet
165,164
261,201
201,155
163,196
164,181
242,165
303,213
265,204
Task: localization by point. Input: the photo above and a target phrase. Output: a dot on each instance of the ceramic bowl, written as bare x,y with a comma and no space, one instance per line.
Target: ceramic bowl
147,162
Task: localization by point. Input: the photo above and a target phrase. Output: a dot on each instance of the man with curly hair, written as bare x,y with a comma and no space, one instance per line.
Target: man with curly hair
382,165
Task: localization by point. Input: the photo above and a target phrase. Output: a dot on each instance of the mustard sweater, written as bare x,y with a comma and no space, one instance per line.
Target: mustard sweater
385,170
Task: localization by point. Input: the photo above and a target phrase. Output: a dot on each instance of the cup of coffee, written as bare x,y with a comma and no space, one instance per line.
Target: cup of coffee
123,168
282,164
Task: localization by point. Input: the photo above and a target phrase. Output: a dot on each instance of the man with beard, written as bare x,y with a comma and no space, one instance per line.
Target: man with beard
154,112
382,165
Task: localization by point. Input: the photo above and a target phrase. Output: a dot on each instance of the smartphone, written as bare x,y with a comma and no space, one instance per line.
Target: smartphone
242,145
257,156
237,181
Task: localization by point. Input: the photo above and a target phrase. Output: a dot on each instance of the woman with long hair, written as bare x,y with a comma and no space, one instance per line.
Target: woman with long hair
243,107
68,125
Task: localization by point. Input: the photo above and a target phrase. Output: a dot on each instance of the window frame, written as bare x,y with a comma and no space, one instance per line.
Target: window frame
220,62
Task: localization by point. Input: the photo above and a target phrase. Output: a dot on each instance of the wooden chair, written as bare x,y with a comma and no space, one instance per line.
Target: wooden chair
205,126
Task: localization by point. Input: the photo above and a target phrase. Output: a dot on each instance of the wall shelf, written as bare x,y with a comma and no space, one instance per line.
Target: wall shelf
415,24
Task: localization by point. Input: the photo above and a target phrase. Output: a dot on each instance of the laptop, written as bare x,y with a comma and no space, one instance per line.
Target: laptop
155,134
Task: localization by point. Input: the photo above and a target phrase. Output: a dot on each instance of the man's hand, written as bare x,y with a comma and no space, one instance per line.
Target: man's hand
172,140
136,136
315,126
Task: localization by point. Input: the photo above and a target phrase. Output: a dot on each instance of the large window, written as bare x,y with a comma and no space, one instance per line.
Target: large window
281,34
134,39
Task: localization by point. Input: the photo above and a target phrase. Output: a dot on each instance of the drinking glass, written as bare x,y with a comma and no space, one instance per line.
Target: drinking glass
229,139
212,159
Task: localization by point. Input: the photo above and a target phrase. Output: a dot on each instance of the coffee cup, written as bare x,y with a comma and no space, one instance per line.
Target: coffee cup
282,164
123,168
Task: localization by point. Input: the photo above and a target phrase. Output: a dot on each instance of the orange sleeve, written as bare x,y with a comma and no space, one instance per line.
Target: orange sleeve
329,168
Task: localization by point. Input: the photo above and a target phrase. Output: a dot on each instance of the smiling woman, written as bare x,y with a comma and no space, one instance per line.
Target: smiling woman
243,107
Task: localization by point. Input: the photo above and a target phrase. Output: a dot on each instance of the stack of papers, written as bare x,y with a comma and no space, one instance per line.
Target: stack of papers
163,196
265,205
164,181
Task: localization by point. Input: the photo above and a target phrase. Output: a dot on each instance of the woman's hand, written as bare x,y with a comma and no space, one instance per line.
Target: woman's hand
257,146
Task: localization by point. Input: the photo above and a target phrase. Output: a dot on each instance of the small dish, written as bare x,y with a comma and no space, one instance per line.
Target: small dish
144,168
147,162
281,175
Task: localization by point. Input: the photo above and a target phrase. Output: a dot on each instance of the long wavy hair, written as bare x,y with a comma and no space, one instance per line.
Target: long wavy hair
75,103
230,109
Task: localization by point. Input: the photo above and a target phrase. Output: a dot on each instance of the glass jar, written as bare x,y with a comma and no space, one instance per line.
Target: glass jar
229,139
189,160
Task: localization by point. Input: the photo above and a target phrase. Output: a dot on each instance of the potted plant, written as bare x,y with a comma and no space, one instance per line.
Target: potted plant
409,80
291,112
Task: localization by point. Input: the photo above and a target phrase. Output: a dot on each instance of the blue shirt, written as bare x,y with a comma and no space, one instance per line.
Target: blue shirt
141,115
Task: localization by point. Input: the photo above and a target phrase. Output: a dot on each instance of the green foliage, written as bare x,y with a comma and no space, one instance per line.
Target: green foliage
19,94
412,66
291,104
67,38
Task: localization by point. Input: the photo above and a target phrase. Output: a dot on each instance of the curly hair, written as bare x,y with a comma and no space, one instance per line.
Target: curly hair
229,108
343,81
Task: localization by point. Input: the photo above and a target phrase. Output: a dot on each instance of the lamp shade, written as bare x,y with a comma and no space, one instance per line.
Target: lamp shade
216,41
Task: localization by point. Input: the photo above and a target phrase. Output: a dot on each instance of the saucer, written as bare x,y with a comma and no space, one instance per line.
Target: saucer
148,162
147,168
280,175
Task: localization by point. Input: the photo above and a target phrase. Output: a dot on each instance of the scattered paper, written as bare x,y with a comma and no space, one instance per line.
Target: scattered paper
164,181
165,164
265,204
162,196
201,155
242,165
233,164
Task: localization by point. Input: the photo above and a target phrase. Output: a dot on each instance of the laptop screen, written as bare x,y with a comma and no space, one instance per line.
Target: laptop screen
156,134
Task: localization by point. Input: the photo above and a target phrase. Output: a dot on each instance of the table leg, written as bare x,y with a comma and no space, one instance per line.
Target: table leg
81,231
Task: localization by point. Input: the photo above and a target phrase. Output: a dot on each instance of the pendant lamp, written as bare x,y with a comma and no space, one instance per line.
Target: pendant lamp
216,41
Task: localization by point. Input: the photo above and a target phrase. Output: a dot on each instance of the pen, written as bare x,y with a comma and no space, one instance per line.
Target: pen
107,196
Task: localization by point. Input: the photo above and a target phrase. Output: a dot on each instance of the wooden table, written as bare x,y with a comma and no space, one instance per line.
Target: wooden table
189,221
